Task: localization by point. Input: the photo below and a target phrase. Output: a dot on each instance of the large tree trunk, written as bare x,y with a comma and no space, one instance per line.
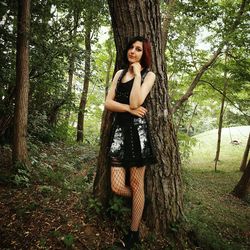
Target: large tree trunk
20,152
245,156
163,181
82,106
243,186
222,110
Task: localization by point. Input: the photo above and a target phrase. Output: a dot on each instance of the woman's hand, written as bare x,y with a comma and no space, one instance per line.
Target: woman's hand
136,68
140,112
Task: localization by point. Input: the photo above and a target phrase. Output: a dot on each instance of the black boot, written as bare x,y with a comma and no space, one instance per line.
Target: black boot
131,239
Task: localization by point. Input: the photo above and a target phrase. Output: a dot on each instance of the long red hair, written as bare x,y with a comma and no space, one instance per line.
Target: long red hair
146,55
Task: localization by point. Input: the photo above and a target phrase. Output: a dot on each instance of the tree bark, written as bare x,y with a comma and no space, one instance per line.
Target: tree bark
20,152
83,101
243,186
245,156
222,110
163,184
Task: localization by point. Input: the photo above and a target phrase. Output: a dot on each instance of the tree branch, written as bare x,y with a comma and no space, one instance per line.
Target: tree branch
212,60
221,92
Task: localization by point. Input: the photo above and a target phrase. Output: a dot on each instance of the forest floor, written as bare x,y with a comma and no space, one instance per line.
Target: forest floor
51,206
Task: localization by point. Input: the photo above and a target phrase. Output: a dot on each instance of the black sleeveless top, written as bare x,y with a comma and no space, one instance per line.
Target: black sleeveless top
131,144
122,95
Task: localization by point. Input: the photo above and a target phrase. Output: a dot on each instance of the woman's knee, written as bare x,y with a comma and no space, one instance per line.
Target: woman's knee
116,187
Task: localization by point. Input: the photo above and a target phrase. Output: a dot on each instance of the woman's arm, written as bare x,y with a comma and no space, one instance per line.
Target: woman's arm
114,106
140,91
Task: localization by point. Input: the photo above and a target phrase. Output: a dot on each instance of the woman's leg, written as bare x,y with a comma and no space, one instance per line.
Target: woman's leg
118,176
137,187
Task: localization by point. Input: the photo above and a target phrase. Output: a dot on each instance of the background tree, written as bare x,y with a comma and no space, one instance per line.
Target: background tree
81,112
245,156
242,188
163,181
20,153
230,25
222,111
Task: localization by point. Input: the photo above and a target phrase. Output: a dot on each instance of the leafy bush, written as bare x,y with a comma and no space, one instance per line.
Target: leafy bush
22,175
39,128
94,207
119,212
185,143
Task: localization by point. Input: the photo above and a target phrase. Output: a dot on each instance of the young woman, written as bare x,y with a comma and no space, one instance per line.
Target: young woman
130,148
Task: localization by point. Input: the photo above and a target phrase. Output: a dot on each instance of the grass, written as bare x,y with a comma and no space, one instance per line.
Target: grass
217,219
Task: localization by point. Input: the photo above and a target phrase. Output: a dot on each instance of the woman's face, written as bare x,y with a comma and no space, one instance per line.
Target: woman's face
135,52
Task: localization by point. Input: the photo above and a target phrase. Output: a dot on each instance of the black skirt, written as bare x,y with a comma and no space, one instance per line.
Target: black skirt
131,144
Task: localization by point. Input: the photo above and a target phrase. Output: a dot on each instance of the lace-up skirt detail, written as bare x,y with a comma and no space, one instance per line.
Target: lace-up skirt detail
131,143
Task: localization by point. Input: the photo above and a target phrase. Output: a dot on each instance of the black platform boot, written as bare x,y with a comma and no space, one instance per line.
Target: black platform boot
131,239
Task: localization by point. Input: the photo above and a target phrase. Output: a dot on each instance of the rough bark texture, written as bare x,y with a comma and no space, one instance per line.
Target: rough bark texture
82,106
163,182
20,153
243,186
245,156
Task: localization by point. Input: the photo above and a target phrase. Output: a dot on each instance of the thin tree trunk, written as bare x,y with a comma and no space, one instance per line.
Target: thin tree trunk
72,58
191,120
20,152
222,110
180,117
243,186
82,106
245,156
167,18
163,182
212,60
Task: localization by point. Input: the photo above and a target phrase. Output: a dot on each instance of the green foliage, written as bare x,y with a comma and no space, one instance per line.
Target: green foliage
195,33
216,220
94,207
186,144
68,240
46,190
119,212
22,175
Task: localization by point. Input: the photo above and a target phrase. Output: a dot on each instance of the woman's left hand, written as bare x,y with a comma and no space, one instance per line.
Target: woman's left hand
136,68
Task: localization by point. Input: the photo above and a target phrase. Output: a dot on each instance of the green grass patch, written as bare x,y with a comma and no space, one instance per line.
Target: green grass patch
217,219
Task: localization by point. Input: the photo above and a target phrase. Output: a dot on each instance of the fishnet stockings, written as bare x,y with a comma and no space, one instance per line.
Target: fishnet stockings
136,190
118,177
